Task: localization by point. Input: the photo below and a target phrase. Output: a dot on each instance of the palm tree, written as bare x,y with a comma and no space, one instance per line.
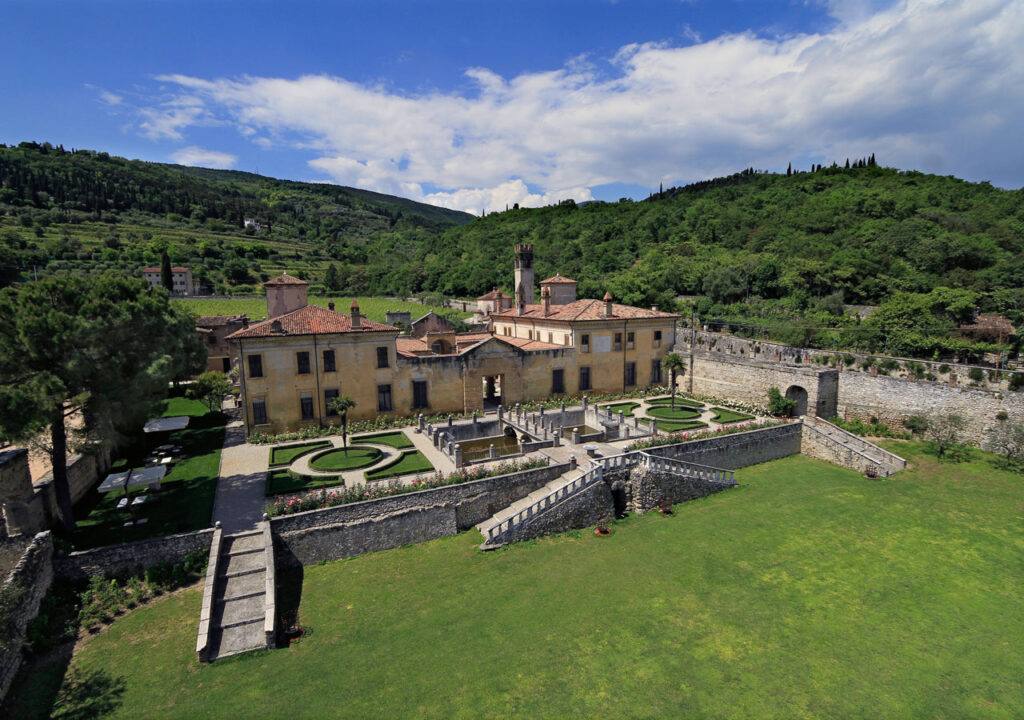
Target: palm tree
674,363
341,405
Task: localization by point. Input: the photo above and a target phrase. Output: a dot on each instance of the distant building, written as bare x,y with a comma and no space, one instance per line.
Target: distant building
255,224
430,323
987,328
214,329
181,280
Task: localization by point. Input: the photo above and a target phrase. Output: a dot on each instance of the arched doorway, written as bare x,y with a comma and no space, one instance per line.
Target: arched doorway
797,393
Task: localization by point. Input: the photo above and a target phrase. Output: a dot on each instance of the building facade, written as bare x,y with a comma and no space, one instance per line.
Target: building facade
295,362
181,280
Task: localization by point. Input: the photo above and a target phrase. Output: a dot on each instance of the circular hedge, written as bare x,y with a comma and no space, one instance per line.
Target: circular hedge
668,413
336,459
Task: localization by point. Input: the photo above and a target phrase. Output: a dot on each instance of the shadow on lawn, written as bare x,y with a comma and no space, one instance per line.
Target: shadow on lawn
45,689
289,596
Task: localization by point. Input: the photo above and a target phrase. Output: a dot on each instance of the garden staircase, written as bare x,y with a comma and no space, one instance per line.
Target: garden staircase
885,462
239,610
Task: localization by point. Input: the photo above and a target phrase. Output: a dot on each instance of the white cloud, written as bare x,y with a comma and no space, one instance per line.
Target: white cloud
111,98
928,84
200,157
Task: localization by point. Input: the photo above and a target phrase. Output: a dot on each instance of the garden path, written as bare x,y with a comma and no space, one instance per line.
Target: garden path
239,502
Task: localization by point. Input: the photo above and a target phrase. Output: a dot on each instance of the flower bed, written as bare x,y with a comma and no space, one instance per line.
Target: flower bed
301,503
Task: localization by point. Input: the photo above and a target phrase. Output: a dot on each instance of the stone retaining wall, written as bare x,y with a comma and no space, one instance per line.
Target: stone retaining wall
738,449
29,581
134,556
590,506
345,530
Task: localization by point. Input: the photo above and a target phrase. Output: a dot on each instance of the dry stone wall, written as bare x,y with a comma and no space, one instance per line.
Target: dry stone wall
28,582
134,556
738,449
590,506
346,530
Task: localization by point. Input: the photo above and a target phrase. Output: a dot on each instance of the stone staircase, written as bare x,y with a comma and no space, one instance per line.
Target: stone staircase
238,602
853,451
504,520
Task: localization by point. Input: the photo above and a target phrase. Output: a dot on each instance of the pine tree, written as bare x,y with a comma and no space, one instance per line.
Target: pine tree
847,163
789,169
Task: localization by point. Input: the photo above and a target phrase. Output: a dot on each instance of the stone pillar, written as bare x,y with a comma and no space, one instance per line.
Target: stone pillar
557,438
636,421
450,420
452,448
474,417
573,462
563,407
654,427
622,418
458,456
585,403
501,415
575,436
492,452
422,423
542,411
545,433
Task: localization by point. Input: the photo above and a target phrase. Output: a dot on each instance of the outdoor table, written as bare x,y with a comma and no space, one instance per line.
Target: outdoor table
128,479
166,424
166,462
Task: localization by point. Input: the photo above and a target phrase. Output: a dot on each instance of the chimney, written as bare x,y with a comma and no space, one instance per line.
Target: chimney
330,306
607,304
545,297
654,308
356,319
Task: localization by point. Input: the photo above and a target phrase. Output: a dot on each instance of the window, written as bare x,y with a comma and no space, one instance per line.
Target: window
330,395
384,398
551,338
382,357
630,373
419,394
630,340
584,343
655,372
306,405
558,381
529,334
618,341
259,411
584,378
657,339
302,361
255,366
329,361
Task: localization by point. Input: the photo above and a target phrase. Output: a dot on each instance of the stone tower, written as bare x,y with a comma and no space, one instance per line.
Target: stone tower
524,275
285,294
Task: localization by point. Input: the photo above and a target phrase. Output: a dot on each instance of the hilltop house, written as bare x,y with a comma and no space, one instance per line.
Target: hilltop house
181,280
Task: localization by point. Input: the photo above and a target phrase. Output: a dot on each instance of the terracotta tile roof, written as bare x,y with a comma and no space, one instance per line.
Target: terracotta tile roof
583,310
417,347
310,320
557,279
492,295
173,270
286,279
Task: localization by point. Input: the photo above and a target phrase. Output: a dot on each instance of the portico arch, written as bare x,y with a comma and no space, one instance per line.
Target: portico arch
799,395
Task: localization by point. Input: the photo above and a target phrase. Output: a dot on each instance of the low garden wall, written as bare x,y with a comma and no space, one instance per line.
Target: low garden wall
139,555
590,506
346,530
23,590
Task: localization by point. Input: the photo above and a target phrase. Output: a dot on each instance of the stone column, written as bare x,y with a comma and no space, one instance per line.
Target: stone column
557,438
654,427
501,415
575,436
422,423
458,456
450,420
492,452
474,417
585,404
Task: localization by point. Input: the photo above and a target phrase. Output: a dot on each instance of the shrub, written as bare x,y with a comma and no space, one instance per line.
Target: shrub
867,363
916,424
1016,381
976,374
889,364
849,359
944,368
778,404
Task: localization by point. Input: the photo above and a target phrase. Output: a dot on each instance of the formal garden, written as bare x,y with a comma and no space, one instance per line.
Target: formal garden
807,591
675,414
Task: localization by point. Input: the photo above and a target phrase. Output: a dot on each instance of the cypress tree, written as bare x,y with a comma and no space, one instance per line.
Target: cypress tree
166,278
789,169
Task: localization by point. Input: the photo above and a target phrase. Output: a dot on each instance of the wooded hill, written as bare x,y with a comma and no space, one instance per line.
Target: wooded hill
87,210
855,235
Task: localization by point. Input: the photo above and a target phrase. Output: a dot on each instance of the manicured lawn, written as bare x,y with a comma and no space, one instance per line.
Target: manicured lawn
667,400
676,425
670,413
725,417
396,439
809,591
282,481
627,408
338,459
286,454
185,501
409,462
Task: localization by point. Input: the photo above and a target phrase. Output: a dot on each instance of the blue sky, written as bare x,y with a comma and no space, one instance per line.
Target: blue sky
477,104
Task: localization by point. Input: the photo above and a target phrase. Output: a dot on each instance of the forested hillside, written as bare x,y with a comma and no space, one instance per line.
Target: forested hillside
87,210
779,252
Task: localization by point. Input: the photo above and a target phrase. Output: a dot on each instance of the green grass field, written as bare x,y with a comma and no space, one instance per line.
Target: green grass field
283,481
339,459
409,462
256,308
724,416
627,408
676,425
664,412
667,400
286,454
185,501
397,439
808,591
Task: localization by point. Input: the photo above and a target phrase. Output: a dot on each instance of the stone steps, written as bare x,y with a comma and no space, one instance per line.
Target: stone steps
525,502
239,604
